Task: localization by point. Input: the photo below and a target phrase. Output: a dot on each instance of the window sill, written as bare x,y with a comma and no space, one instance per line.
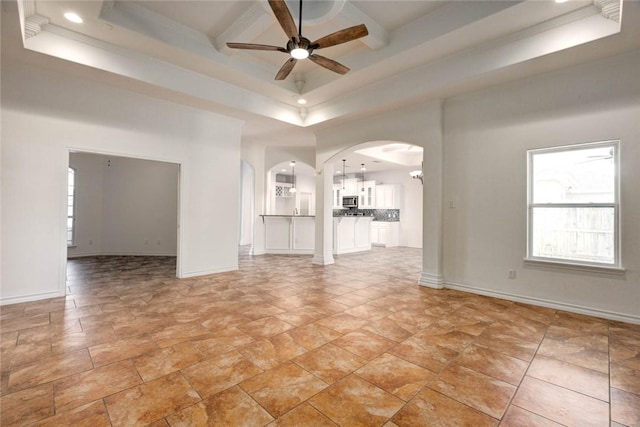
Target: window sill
564,265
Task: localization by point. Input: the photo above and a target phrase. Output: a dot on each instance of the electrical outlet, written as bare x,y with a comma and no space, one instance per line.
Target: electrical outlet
512,274
452,204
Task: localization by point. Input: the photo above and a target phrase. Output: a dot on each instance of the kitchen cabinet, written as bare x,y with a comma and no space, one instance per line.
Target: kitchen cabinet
350,187
385,234
367,199
337,196
289,234
351,234
388,196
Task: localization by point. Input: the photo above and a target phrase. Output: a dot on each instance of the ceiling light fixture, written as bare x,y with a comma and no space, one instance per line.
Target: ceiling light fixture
300,47
299,53
302,101
73,17
561,1
417,174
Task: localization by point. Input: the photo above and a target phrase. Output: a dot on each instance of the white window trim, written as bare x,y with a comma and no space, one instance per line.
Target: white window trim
615,268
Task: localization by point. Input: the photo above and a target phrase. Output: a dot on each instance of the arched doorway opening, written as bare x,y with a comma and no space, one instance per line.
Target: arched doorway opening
291,189
386,179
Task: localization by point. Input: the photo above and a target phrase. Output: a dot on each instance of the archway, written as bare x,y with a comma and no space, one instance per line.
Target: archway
385,177
281,179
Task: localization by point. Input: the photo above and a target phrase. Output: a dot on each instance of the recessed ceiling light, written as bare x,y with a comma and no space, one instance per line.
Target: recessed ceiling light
73,17
302,101
561,1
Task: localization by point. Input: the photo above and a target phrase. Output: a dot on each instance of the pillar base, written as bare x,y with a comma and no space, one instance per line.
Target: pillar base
430,280
323,260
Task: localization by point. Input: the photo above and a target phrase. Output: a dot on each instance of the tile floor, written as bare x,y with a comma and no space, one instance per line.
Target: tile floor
284,343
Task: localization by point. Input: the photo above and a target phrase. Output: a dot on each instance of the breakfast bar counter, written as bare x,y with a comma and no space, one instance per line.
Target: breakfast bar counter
289,234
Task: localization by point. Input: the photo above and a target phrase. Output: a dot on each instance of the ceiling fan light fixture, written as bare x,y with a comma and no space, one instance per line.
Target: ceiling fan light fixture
299,53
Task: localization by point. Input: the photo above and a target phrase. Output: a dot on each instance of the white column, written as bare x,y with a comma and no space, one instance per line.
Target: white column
432,208
324,215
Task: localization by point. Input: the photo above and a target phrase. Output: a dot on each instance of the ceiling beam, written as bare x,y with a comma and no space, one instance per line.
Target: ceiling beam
350,15
247,28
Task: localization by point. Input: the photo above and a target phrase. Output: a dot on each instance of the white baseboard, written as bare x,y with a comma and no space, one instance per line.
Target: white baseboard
207,272
435,281
122,254
573,308
29,298
289,251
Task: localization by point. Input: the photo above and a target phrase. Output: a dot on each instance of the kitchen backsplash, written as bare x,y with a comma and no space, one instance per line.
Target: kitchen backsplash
388,215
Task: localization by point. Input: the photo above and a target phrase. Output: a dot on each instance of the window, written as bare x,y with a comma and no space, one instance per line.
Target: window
573,205
71,194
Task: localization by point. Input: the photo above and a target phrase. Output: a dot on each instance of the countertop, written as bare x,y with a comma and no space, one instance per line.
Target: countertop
289,216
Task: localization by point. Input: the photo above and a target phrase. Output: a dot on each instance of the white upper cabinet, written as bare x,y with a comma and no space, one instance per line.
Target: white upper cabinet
367,195
388,196
337,196
350,187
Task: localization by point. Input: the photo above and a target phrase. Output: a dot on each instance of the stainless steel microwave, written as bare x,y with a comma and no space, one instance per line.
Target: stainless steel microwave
350,201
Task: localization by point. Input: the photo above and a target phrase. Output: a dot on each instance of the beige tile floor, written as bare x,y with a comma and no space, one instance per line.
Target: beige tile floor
284,343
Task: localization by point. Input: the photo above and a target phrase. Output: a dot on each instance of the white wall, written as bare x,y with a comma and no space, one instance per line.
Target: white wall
410,203
46,114
254,154
88,204
124,206
486,138
247,183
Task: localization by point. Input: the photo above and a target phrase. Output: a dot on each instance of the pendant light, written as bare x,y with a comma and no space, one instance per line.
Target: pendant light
293,175
362,169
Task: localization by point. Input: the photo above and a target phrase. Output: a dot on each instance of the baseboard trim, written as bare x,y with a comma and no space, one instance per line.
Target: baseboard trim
121,254
289,251
430,280
321,260
573,308
29,298
207,272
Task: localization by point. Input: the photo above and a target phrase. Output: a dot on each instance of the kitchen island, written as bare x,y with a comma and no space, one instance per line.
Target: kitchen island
351,234
295,234
289,234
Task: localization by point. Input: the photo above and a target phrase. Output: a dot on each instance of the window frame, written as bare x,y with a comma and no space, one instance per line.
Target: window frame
72,243
614,267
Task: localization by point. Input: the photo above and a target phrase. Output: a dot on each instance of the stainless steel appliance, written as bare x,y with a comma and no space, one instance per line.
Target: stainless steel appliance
350,201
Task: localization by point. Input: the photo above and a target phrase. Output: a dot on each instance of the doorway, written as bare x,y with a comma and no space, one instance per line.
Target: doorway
124,206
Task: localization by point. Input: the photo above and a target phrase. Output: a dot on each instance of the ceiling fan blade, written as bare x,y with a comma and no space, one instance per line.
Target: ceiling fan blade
342,36
286,69
252,46
284,17
329,64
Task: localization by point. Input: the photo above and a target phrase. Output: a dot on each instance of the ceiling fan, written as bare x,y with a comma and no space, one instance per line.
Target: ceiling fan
300,47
